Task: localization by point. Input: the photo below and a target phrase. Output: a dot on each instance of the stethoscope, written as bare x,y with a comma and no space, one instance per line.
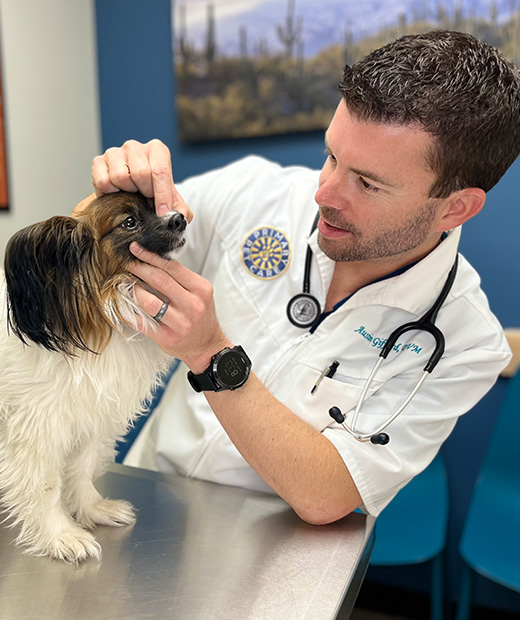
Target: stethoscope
304,311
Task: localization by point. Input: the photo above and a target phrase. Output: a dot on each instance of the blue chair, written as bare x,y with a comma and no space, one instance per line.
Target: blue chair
412,529
490,543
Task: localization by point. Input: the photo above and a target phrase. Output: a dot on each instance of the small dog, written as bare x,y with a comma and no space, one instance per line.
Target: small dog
74,371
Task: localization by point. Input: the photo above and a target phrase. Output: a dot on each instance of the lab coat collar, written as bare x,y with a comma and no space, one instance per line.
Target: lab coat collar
412,290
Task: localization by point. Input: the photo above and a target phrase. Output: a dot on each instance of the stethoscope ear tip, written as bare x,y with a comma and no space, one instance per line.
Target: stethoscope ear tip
380,440
335,414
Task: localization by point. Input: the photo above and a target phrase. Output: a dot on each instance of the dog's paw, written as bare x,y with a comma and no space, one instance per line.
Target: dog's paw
114,513
71,545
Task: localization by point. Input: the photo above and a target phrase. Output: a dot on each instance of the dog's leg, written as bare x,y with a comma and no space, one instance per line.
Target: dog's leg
82,498
31,484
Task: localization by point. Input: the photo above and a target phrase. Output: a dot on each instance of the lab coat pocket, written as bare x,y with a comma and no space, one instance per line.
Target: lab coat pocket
313,408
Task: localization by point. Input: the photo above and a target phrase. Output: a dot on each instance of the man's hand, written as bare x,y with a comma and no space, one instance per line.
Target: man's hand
139,167
189,329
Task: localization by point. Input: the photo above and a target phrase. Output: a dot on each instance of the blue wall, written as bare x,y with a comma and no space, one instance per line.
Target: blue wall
137,101
137,93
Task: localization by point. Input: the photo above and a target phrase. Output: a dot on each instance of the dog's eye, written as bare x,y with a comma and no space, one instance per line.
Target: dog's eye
130,223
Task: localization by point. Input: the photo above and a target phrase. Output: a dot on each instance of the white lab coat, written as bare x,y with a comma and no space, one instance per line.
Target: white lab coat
255,198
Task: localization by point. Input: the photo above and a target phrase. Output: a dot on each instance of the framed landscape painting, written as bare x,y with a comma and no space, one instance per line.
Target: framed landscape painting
263,67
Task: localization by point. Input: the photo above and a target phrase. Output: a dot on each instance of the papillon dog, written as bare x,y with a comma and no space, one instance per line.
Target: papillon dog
74,370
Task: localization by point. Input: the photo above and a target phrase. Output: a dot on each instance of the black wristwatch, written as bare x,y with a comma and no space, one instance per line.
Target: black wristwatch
229,369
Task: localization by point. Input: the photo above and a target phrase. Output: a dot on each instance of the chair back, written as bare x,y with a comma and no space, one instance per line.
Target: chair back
490,542
501,465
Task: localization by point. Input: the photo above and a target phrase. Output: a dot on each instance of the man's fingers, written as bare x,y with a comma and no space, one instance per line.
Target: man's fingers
150,265
140,167
187,291
119,170
165,193
101,177
161,176
149,257
150,303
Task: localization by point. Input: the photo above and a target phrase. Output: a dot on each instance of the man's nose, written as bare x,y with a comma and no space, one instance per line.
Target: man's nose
329,192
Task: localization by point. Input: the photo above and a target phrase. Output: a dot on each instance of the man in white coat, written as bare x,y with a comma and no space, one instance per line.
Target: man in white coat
425,127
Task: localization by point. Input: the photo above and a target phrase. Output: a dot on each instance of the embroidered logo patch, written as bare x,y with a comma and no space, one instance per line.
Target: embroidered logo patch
266,253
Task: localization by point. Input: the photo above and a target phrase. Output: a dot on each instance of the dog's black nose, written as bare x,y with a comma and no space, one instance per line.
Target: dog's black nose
177,223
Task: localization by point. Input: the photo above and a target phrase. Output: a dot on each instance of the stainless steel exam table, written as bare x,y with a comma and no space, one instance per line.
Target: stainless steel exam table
198,551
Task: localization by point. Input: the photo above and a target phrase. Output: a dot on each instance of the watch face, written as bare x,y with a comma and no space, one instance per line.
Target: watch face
231,369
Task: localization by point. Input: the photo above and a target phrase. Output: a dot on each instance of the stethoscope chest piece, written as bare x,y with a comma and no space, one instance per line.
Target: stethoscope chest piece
303,310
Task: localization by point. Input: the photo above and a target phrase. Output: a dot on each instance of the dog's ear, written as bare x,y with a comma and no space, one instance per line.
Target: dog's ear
50,271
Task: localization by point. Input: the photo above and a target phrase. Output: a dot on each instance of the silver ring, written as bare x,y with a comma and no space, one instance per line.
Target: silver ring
162,311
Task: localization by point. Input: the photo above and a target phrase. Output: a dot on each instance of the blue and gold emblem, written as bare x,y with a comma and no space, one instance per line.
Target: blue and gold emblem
266,253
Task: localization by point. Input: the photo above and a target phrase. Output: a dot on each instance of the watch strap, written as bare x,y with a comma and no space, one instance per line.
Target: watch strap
203,382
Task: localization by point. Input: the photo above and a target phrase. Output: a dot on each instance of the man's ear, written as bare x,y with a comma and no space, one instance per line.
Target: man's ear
461,206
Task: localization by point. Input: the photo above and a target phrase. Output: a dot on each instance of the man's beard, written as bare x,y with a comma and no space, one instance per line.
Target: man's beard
383,244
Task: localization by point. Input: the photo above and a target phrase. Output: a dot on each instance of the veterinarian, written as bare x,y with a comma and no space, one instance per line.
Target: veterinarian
424,128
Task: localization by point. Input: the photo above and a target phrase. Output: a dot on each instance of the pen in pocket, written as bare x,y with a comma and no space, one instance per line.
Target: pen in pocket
329,372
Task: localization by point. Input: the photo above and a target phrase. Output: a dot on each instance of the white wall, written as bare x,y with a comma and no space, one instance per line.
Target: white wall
50,106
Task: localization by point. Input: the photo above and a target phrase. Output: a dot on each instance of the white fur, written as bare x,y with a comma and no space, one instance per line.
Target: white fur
59,419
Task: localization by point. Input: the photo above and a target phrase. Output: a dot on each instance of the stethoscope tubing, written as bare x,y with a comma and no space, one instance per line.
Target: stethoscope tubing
368,436
425,323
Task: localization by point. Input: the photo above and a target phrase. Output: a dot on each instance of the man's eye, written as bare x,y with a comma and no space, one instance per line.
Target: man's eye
130,223
368,186
330,156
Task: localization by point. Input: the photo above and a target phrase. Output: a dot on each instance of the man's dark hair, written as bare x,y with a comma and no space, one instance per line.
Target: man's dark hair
460,90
